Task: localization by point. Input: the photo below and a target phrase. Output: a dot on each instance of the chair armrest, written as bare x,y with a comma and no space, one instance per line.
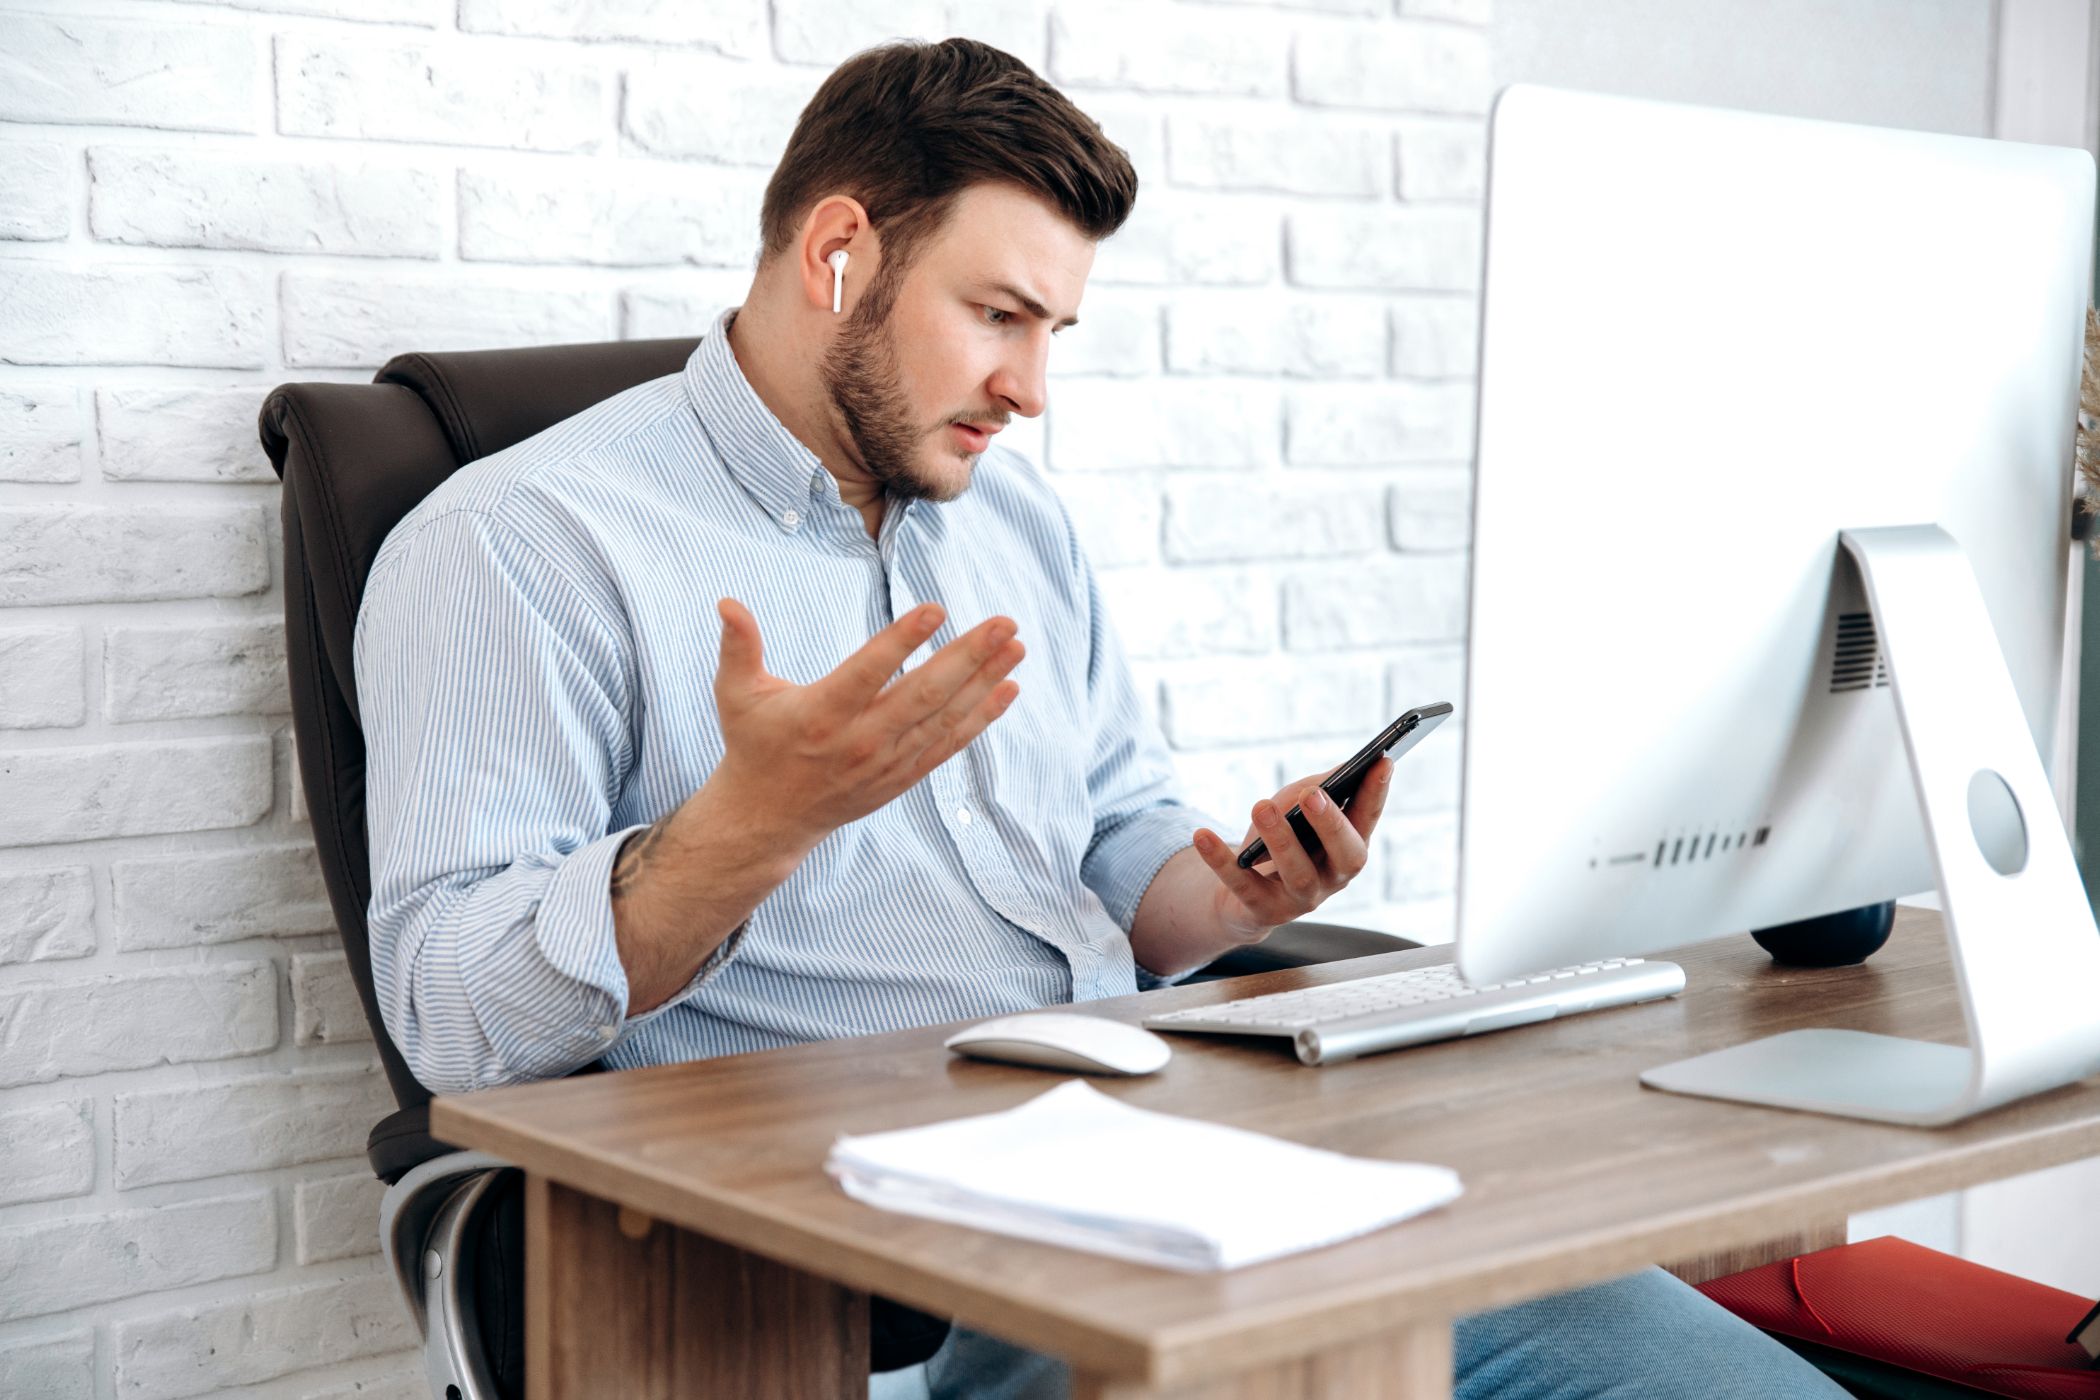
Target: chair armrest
1302,943
410,1210
401,1142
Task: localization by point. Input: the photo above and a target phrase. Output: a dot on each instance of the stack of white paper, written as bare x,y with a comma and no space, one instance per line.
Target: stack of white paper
1076,1167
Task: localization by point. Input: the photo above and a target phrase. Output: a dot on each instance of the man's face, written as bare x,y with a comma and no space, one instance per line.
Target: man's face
922,382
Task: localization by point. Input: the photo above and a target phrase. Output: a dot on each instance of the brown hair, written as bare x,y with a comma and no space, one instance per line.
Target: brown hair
906,127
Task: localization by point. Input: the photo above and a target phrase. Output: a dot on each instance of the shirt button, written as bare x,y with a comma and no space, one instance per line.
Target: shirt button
608,1032
962,816
790,518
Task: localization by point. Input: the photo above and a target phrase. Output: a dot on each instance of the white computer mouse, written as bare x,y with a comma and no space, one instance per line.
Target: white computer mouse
1064,1040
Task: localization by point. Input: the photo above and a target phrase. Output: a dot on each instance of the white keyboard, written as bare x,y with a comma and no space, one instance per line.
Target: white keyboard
1341,1020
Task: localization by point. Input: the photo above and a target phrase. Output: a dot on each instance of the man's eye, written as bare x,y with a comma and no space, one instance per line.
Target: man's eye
994,316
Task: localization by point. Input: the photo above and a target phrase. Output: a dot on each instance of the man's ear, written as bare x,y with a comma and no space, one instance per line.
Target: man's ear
838,223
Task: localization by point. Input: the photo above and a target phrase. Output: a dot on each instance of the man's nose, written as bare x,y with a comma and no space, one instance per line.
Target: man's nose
1019,382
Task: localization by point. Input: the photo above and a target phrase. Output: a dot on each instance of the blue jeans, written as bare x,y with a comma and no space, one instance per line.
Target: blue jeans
1643,1337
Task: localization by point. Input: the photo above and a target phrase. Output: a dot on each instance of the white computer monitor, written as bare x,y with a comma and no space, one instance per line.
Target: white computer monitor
1756,395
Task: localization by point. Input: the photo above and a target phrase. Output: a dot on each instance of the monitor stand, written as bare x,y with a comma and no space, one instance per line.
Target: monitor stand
2025,949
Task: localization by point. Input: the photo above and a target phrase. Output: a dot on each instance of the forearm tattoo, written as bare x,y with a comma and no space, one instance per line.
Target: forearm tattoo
633,860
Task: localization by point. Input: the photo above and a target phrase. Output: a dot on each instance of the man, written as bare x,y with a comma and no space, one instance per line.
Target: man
607,826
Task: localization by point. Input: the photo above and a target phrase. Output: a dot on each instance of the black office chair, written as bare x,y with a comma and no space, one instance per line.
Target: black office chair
354,459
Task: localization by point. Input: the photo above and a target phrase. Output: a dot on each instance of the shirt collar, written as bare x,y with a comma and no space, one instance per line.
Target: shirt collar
773,466
769,462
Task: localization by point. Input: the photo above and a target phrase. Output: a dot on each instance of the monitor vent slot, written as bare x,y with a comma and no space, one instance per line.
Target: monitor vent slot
1704,846
1857,662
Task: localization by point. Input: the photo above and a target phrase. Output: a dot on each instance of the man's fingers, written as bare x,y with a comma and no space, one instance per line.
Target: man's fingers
926,689
1341,842
856,681
1258,892
743,650
1293,866
955,714
974,724
1370,798
1298,787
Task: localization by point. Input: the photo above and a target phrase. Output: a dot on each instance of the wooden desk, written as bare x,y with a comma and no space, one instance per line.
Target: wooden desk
684,1240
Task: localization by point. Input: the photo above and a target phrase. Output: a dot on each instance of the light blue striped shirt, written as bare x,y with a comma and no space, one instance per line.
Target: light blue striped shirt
535,667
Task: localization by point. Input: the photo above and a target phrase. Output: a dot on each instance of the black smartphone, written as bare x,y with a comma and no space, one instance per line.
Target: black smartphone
1341,785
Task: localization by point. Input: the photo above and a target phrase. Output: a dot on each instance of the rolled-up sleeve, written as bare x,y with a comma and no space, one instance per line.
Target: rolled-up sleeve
495,693
1140,818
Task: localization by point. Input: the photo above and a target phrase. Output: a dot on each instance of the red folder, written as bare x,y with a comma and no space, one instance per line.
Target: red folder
1913,1307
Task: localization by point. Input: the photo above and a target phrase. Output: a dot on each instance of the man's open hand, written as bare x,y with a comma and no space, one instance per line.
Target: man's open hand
1249,903
807,759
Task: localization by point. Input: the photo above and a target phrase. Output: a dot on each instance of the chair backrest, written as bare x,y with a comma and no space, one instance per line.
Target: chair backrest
354,459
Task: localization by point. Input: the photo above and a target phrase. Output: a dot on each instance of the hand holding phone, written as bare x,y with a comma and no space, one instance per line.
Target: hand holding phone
1341,785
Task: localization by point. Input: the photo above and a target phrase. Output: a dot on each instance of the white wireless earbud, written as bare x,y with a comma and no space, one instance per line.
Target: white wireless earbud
838,278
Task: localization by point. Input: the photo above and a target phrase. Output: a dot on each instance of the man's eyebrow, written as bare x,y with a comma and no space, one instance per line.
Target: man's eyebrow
1030,304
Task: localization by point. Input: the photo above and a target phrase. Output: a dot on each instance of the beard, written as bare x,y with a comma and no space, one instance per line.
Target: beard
861,377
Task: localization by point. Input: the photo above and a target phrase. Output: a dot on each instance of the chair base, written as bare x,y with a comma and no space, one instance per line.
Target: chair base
429,1227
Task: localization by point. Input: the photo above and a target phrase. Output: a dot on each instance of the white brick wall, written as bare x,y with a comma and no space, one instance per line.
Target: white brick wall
47,1152
170,75
198,1350
61,313
177,199
1261,426
40,436
185,434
